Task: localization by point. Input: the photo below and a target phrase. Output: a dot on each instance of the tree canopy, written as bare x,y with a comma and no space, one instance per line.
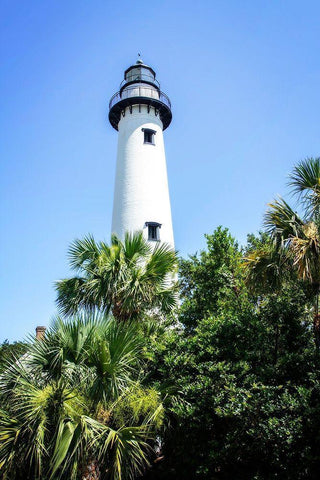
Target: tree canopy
131,383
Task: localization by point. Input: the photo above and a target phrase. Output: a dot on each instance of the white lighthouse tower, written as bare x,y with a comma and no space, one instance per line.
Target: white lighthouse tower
141,112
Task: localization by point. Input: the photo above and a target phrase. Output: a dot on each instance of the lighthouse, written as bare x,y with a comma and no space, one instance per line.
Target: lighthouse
140,113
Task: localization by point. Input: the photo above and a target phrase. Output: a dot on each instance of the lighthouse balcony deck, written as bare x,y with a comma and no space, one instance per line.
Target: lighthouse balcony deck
139,91
137,95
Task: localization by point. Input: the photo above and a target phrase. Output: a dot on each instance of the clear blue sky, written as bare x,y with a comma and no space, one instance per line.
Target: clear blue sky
243,78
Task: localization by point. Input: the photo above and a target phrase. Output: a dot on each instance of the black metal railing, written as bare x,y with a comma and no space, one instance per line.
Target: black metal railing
139,91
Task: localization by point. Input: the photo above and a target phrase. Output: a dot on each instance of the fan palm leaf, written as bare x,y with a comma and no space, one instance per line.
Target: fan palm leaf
50,421
267,267
305,182
306,252
128,277
114,356
282,222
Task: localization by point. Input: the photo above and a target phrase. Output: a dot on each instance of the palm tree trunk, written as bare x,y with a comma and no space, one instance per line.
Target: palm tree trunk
91,471
119,314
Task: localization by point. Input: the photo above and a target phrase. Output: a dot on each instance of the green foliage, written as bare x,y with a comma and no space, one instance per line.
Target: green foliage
138,403
211,281
229,391
244,362
129,278
298,238
55,400
245,374
9,350
267,265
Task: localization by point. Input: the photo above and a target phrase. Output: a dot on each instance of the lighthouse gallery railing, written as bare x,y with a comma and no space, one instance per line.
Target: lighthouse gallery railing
139,91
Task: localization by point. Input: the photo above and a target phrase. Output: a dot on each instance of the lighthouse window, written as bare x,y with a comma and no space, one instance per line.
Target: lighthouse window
153,231
148,135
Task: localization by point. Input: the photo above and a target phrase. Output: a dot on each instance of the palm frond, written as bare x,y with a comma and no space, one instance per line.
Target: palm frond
305,182
162,262
70,294
127,448
306,252
125,277
167,298
114,356
267,267
82,253
52,395
135,247
9,439
281,221
64,438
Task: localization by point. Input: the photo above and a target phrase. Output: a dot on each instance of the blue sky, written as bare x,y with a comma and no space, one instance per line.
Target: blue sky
243,78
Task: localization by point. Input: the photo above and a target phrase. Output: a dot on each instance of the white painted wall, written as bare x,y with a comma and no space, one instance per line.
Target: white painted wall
141,187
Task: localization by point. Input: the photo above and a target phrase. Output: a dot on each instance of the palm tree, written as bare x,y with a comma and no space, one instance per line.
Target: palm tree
128,278
60,405
295,240
267,267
